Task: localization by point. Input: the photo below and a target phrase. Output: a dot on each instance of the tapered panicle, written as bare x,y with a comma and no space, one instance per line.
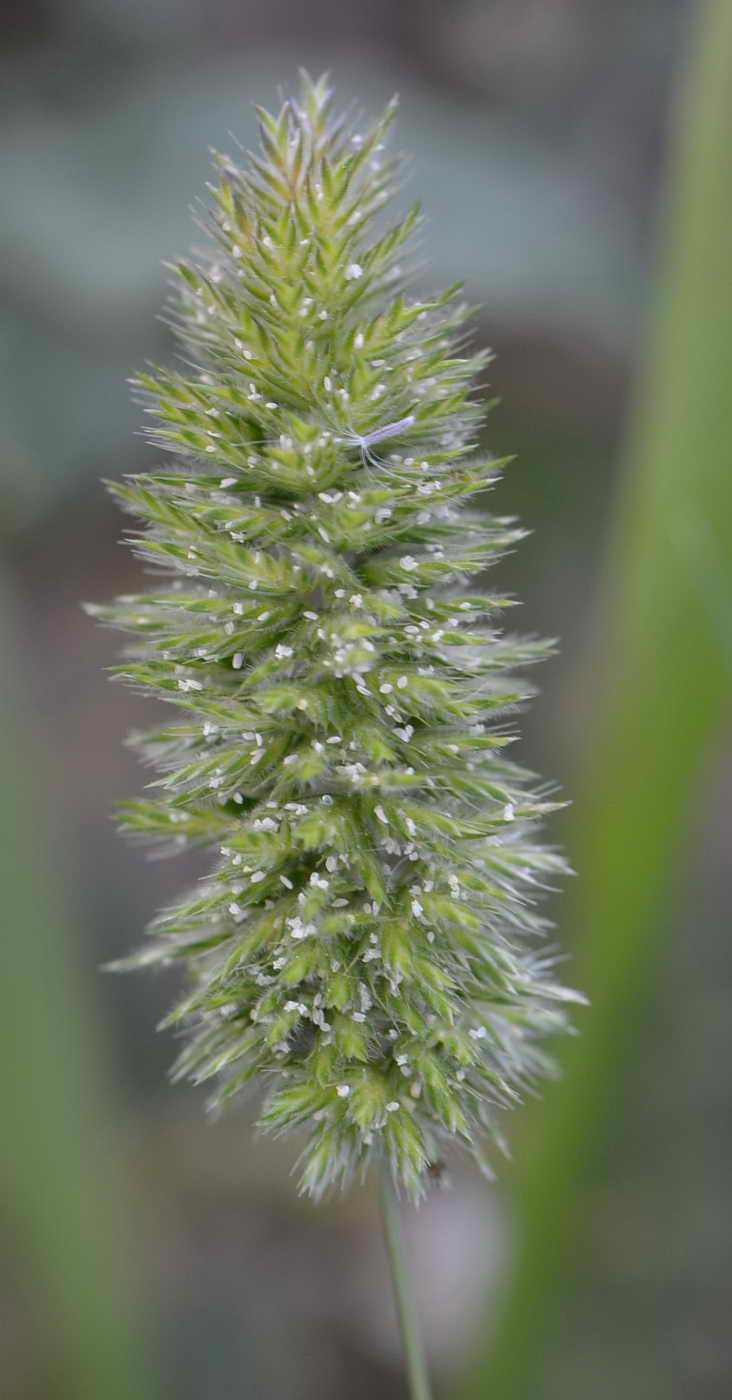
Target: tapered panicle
367,949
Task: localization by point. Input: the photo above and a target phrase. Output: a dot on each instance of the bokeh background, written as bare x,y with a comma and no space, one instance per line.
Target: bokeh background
147,1253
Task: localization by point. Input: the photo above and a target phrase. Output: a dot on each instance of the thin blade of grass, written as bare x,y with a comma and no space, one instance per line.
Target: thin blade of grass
62,1184
662,691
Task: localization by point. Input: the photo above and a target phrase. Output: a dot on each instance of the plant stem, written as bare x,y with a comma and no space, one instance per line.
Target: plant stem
662,702
419,1386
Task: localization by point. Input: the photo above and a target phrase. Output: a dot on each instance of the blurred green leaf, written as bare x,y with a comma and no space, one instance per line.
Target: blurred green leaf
63,1184
663,685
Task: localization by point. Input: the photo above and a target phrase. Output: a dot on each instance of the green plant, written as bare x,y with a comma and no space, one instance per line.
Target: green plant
62,1170
662,700
367,946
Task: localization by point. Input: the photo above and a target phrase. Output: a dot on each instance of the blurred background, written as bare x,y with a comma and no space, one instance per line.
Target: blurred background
569,155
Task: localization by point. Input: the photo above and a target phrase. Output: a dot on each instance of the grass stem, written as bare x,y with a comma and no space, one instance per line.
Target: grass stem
419,1386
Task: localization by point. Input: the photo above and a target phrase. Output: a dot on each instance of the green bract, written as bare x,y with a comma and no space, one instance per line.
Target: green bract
366,946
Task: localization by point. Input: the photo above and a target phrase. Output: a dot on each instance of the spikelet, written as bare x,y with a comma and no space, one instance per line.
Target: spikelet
366,949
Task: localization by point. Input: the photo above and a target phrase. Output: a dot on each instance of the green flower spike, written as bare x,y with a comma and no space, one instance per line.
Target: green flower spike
366,949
